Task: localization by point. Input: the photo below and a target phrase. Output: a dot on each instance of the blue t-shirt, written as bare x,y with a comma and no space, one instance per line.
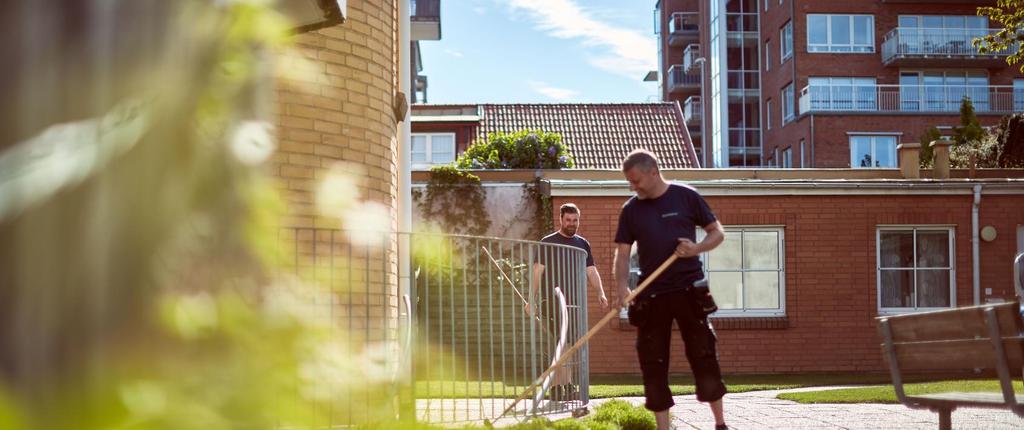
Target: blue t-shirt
656,226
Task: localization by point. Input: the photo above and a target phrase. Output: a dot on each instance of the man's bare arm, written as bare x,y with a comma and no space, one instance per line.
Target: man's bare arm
620,270
594,280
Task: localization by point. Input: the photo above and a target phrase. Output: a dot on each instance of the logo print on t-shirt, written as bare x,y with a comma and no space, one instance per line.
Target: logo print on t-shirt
670,214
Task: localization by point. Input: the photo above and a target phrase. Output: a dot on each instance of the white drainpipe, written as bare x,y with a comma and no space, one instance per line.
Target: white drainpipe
975,246
405,208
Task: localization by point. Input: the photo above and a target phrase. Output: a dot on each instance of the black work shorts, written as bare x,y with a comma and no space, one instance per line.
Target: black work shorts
654,337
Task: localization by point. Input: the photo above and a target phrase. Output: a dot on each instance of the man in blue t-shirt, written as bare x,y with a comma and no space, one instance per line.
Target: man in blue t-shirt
662,219
568,224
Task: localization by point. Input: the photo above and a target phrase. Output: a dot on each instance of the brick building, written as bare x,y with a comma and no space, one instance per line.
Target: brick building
801,83
813,256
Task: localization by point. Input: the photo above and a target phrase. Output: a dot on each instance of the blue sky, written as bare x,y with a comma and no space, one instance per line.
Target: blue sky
542,51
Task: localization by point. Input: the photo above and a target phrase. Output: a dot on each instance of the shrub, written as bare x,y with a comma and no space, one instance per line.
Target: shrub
525,149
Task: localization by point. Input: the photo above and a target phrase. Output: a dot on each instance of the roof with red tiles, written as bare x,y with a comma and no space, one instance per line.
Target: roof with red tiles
599,136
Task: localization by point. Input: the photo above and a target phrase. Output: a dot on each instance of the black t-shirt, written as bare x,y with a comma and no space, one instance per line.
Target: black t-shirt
656,226
557,260
576,240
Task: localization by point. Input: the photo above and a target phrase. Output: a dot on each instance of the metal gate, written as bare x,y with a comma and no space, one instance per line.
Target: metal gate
491,316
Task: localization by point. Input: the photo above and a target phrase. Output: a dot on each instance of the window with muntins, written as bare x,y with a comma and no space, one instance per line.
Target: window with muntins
840,33
872,152
843,94
746,272
432,148
786,42
915,268
787,104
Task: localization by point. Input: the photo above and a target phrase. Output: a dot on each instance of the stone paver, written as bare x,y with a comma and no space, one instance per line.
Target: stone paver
761,410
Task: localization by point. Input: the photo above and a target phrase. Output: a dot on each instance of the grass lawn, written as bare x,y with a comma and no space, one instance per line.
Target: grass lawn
886,394
631,386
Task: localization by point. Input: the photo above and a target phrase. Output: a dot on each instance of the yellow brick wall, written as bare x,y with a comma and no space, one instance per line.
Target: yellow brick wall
334,99
336,105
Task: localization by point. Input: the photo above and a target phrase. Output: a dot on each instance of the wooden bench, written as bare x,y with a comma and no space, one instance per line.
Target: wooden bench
956,340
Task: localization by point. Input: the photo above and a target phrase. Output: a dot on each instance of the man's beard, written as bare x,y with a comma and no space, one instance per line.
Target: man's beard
569,231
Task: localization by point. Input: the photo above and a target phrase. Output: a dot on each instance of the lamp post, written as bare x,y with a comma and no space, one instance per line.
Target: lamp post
703,117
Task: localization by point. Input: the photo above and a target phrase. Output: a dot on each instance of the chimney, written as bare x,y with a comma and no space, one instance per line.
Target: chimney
940,150
910,160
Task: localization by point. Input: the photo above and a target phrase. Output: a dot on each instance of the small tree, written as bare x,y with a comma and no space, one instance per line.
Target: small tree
970,130
927,155
525,149
1009,13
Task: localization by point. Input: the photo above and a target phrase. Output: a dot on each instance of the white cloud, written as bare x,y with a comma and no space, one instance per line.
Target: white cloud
480,10
555,93
453,53
626,52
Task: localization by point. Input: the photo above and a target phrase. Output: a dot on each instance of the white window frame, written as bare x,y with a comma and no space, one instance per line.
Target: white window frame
767,55
874,136
768,114
832,48
786,42
787,158
739,230
951,235
788,102
429,150
766,3
1018,95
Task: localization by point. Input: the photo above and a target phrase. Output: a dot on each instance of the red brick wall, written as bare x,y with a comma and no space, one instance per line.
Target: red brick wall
830,278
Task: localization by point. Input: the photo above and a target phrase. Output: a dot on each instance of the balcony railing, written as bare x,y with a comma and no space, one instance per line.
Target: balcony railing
910,98
692,110
425,10
935,42
683,27
690,56
678,79
684,22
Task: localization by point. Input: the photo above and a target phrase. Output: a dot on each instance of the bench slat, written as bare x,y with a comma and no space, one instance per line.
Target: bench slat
957,354
982,400
962,323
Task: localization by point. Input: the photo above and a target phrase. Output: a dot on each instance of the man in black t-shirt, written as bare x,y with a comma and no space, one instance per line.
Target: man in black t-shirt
662,219
568,223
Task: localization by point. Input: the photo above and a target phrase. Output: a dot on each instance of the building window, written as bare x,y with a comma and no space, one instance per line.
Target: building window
767,55
787,157
1018,95
786,42
840,33
803,150
843,94
943,91
873,151
768,114
787,104
915,268
747,271
766,2
432,148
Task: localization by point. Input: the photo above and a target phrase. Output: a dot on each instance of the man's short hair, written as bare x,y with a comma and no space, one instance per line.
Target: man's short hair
568,208
641,158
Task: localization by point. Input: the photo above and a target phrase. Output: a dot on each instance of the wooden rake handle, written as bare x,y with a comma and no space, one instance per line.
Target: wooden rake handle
586,337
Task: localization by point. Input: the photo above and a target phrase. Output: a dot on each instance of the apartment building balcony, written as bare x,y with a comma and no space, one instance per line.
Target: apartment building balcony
682,83
910,99
692,113
683,28
690,56
425,20
938,47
